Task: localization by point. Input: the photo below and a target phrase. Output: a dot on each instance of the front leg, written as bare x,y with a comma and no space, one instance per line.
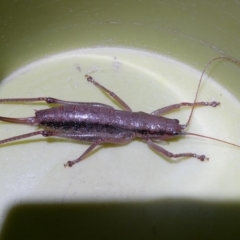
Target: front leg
112,94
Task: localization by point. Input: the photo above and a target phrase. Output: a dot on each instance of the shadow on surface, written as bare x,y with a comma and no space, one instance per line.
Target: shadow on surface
165,219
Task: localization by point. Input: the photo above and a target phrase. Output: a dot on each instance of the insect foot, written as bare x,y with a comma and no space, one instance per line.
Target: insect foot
214,104
92,146
202,157
69,164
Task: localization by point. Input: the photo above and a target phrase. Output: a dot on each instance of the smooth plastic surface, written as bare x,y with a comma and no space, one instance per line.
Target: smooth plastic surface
115,180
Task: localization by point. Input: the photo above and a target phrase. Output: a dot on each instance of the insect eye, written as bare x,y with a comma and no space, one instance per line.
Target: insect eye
175,133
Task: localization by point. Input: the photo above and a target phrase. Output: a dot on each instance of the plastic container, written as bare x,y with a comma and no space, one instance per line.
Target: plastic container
151,53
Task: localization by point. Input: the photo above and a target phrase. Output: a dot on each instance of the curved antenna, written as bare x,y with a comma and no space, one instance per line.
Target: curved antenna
200,81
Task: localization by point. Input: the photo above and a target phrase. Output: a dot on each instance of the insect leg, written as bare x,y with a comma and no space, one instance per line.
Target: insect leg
183,104
118,139
163,151
48,134
96,139
121,139
71,163
38,99
112,94
27,135
49,100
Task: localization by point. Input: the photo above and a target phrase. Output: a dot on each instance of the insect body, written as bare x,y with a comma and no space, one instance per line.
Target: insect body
98,123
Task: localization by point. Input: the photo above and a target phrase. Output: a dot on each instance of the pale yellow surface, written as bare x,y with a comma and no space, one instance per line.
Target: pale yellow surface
33,168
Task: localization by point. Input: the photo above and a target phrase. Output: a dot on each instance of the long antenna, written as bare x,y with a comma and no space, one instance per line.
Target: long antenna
200,81
215,139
